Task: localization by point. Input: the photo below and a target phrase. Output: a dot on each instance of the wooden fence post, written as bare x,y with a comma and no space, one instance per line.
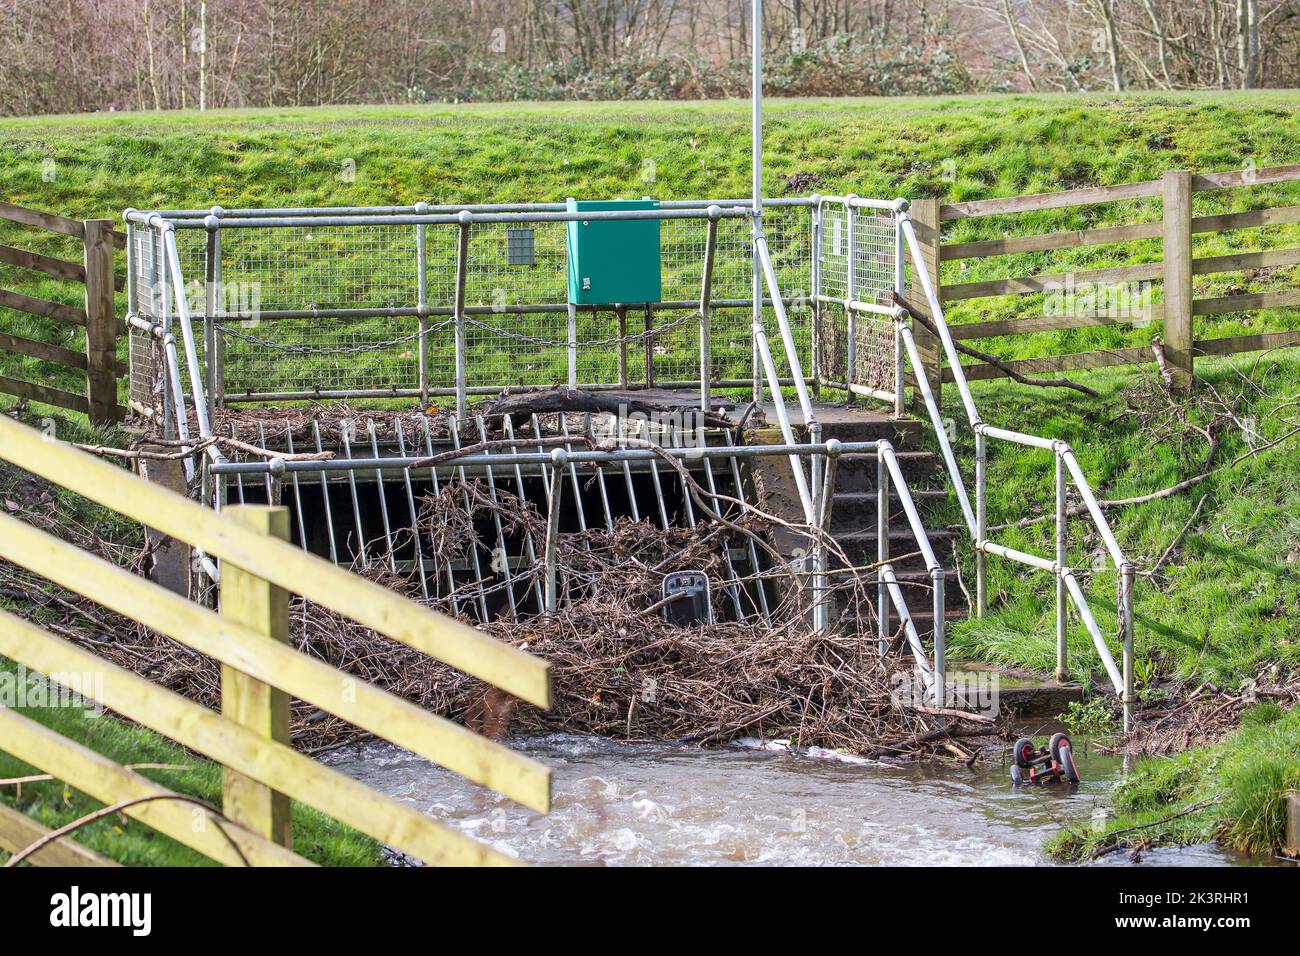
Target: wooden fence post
256,603
101,322
1178,274
925,220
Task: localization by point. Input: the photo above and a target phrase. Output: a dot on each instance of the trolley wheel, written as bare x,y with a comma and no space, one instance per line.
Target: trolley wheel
1063,756
1024,753
1017,777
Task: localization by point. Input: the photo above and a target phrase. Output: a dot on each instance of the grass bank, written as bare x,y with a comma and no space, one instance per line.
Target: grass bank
953,147
1234,793
1225,601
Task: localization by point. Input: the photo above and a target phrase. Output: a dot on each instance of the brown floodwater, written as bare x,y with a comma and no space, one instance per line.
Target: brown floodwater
645,804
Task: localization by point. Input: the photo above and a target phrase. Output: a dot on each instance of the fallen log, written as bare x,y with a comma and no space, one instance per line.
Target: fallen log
519,407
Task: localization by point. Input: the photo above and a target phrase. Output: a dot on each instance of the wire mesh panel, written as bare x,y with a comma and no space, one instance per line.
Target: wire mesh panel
322,267
873,249
315,309
309,355
873,354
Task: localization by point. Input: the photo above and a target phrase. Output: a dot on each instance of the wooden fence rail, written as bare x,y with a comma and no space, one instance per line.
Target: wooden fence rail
1175,270
260,672
97,315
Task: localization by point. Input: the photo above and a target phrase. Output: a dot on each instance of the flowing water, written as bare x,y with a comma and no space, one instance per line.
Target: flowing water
620,804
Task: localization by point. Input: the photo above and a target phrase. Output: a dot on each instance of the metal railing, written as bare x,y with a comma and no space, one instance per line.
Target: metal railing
1067,470
852,269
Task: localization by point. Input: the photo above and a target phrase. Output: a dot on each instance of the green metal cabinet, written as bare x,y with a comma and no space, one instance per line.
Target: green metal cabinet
614,260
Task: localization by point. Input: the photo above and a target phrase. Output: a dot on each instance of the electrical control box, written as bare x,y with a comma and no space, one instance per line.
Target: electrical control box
614,260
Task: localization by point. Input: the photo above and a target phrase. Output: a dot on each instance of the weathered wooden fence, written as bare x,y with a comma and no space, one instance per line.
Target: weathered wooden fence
1175,271
97,316
260,672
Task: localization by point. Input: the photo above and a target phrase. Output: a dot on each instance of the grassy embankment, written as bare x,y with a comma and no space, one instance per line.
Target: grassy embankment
1225,604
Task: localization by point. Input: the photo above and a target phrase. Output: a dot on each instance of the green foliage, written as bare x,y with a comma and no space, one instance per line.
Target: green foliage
1094,717
1238,788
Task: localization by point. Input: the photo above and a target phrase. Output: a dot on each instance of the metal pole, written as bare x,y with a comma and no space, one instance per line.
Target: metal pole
1061,530
900,286
882,548
981,522
851,294
462,273
621,312
209,310
940,664
559,457
833,449
816,271
572,339
706,288
756,182
422,307
1126,575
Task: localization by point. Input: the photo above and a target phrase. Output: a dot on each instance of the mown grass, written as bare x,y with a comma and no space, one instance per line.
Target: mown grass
1235,791
956,148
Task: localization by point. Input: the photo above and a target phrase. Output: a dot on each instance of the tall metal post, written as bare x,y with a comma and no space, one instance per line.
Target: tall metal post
981,521
422,304
851,295
815,296
1061,545
756,183
559,457
900,287
1126,575
882,548
706,292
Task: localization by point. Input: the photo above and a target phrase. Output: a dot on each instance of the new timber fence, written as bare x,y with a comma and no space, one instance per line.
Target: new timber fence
1054,296
262,773
97,316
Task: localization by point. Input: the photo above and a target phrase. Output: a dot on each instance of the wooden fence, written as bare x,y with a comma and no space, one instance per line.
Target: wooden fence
260,672
98,315
1175,271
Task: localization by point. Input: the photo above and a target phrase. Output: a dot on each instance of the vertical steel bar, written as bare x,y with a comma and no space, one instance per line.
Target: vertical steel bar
620,311
558,459
900,286
422,306
416,543
462,274
502,555
882,549
940,664
345,433
1061,546
654,476
733,584
572,339
209,313
649,343
577,485
453,425
433,477
749,542
325,494
851,294
824,531
383,500
297,490
600,476
706,293
981,522
1126,575
529,541
815,269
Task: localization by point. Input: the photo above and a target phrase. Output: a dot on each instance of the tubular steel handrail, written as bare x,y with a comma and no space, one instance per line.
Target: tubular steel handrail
203,367
1067,583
